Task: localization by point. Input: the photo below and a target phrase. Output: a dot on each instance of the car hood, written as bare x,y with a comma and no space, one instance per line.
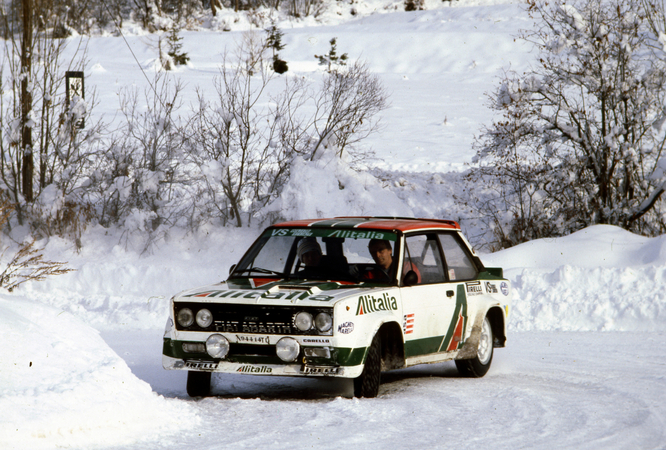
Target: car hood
246,291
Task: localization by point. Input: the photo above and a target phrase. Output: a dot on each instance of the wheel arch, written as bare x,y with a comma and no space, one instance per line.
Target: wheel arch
392,345
498,324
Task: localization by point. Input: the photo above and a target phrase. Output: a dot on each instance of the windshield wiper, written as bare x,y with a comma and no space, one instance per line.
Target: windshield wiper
259,270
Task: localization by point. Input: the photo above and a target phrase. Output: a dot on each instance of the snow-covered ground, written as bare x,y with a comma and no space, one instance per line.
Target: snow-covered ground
584,366
80,360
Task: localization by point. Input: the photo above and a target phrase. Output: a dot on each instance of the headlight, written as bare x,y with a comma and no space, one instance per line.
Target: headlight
323,322
217,346
287,349
185,317
204,318
303,321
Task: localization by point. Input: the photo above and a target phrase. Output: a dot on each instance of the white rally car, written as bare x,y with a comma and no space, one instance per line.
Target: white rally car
345,297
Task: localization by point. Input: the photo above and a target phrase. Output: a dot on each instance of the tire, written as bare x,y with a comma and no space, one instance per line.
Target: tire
367,384
198,384
478,367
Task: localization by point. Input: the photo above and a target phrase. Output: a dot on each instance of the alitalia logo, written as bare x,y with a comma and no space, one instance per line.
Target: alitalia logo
357,234
233,293
369,303
254,369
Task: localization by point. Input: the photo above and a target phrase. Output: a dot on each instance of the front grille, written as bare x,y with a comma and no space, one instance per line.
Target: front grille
251,319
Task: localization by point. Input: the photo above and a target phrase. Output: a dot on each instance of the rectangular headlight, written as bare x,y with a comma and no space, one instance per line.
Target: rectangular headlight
194,347
317,352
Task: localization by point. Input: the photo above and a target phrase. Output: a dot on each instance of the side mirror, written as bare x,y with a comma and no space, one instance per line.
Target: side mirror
410,279
232,268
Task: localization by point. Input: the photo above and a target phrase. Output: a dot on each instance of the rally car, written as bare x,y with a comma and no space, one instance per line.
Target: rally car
345,297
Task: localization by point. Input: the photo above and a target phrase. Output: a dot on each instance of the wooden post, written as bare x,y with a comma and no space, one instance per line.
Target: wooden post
28,168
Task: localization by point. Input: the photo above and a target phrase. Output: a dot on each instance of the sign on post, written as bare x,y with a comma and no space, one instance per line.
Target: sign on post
74,87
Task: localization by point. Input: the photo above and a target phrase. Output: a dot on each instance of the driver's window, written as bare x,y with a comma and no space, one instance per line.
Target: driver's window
422,255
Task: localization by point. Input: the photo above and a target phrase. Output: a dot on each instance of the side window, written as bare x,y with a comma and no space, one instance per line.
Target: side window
422,255
458,261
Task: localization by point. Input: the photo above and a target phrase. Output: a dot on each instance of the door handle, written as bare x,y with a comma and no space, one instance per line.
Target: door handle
450,293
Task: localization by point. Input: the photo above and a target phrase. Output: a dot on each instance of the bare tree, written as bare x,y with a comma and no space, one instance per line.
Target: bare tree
346,107
34,111
235,142
244,149
304,8
153,149
582,136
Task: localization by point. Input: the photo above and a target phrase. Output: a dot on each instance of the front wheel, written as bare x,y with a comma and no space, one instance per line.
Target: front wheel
479,366
367,384
198,384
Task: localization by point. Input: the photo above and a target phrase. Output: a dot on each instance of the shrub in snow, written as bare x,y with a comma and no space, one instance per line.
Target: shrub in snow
45,155
27,263
581,135
253,144
221,164
414,5
346,106
147,154
304,8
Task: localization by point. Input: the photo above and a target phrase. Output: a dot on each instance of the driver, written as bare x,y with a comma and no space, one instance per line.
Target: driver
380,250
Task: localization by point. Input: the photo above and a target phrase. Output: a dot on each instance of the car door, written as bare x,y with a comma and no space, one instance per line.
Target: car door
433,316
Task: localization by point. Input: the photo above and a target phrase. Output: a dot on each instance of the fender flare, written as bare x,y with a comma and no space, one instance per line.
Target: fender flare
470,348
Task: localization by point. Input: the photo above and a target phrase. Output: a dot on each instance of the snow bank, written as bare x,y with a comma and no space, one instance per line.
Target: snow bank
61,385
114,286
328,187
601,278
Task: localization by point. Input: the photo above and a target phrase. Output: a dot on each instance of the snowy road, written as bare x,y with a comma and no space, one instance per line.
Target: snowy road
547,390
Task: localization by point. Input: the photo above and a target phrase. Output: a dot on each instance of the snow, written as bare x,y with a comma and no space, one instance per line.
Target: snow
80,361
358,194
62,384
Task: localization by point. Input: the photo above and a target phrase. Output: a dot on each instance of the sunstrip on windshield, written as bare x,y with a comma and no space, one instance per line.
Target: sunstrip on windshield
332,233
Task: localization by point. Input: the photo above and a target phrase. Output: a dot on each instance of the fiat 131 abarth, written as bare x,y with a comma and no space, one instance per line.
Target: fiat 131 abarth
345,297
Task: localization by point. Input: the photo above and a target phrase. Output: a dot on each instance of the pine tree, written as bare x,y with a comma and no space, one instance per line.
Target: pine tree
274,42
332,61
175,46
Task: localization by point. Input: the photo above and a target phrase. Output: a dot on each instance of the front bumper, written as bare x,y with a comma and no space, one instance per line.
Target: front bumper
262,360
292,370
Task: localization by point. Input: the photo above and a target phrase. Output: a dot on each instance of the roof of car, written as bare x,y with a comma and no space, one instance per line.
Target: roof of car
377,223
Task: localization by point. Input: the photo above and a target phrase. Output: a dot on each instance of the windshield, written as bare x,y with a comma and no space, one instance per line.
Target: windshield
321,254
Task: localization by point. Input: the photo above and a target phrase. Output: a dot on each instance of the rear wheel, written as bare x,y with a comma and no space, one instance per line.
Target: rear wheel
198,384
367,384
479,366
